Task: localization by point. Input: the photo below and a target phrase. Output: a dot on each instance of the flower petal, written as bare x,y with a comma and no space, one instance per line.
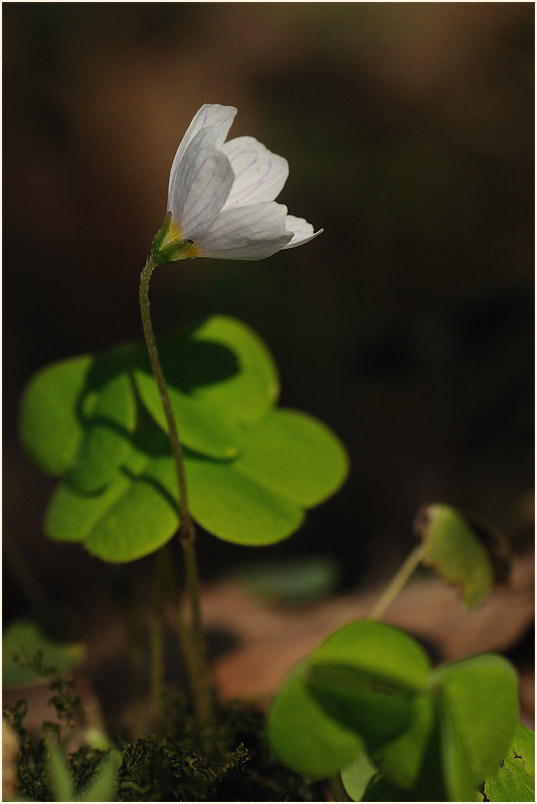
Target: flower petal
301,229
203,181
259,174
210,114
252,232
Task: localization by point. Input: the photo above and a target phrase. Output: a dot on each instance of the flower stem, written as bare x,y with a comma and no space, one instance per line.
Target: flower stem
192,639
398,581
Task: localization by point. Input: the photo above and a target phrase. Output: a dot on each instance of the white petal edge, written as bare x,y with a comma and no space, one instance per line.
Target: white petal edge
210,114
203,181
302,231
252,232
259,174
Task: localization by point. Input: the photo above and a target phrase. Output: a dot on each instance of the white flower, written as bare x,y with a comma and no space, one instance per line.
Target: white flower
221,195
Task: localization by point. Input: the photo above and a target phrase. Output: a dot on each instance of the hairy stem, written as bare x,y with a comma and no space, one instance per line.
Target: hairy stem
194,651
398,581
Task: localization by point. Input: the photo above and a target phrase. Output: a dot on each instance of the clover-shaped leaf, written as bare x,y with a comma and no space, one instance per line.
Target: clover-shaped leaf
77,416
219,375
428,733
251,469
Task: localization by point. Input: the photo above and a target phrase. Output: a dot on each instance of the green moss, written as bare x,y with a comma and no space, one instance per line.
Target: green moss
229,761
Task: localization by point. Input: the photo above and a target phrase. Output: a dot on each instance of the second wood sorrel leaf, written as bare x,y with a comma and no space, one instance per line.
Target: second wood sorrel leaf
478,710
337,689
366,676
303,736
434,735
453,550
77,416
220,376
386,653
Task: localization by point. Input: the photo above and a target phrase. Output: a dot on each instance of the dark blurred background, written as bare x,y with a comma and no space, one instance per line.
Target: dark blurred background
407,326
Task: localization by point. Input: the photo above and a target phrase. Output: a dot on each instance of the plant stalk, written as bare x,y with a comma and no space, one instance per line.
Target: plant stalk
194,651
157,640
398,581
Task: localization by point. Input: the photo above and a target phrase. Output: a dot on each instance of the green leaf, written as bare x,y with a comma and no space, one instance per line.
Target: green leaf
295,455
303,736
77,415
137,513
401,759
220,376
357,776
236,508
365,676
108,426
386,653
51,428
359,665
515,779
201,427
456,762
376,710
132,517
455,552
24,638
478,708
247,395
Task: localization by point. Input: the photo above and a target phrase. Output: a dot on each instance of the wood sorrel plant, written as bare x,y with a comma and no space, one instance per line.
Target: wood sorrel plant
150,439
239,466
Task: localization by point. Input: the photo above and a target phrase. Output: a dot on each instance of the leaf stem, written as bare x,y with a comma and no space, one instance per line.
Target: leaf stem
157,639
398,581
192,639
135,652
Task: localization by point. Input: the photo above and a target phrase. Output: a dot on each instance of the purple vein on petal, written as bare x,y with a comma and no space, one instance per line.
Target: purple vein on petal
183,214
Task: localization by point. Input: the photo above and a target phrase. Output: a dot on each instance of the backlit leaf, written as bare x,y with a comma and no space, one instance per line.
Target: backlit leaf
220,376
133,516
236,508
455,552
77,416
295,455
51,425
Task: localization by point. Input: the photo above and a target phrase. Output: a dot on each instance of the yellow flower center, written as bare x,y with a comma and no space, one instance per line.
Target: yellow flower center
174,236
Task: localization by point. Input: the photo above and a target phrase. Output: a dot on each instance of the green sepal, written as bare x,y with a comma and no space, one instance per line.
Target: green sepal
167,248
